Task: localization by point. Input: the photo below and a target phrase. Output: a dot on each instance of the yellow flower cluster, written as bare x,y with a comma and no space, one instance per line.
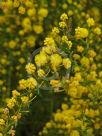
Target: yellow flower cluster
81,113
90,22
30,83
81,33
30,68
68,64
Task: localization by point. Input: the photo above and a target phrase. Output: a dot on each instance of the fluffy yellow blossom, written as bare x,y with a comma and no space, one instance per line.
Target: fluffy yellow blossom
75,133
64,17
11,103
22,84
81,33
73,92
64,6
1,82
38,29
12,44
67,63
55,83
80,48
62,24
30,68
64,39
21,32
21,60
43,12
76,56
92,53
97,31
69,43
55,60
49,41
21,10
16,4
29,4
64,106
90,22
31,83
49,49
41,73
70,13
100,74
31,12
97,125
26,23
25,99
15,93
2,122
41,59
48,125
31,41
14,117
85,61
55,31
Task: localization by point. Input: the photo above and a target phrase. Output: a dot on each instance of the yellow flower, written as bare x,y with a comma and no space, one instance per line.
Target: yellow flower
2,122
97,125
38,29
62,24
22,60
55,83
29,4
30,68
90,22
31,41
14,117
49,41
92,53
75,133
80,48
41,59
55,60
64,106
16,4
64,17
15,93
31,12
48,125
55,31
31,83
81,33
97,31
69,43
25,99
21,10
76,56
70,13
21,32
73,92
22,84
26,23
85,61
49,49
43,12
41,73
12,44
11,103
67,63
64,39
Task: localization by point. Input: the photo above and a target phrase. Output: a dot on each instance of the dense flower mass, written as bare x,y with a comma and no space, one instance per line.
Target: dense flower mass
50,66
